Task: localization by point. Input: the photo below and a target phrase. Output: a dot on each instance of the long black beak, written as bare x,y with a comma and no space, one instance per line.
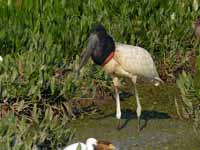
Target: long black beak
85,55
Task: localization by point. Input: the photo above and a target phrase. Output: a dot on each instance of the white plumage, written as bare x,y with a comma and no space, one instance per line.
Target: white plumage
90,143
121,60
132,62
75,146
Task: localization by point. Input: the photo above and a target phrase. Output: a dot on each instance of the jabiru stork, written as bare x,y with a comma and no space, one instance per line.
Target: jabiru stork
91,144
120,60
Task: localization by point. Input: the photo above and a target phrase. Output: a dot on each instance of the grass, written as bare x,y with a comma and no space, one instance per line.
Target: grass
41,42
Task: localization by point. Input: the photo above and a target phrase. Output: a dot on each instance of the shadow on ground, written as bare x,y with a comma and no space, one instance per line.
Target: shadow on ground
128,115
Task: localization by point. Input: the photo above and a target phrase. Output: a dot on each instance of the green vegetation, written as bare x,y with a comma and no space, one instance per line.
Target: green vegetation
40,42
190,92
26,133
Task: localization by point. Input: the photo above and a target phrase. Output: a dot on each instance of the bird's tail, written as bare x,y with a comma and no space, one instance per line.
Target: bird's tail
157,81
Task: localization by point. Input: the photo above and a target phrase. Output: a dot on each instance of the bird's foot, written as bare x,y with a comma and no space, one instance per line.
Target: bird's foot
119,124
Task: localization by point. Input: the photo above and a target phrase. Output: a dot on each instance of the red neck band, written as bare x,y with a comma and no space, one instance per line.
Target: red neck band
110,56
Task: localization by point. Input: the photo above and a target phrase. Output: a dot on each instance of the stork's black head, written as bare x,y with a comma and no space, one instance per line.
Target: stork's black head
104,45
100,46
98,29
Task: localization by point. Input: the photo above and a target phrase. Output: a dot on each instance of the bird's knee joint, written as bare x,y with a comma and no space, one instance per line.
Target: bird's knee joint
118,115
116,82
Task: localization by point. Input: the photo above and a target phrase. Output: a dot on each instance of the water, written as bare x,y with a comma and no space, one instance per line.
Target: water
163,130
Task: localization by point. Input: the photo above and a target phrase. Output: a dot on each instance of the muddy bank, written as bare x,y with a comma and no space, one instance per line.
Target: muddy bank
163,128
159,134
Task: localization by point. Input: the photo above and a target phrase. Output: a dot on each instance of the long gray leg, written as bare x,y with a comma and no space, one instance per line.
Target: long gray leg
118,109
139,107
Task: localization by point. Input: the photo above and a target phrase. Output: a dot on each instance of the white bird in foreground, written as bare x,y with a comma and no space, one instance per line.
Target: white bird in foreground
120,60
91,144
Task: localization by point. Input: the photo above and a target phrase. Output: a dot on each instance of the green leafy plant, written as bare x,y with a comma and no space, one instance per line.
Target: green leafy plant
191,96
36,131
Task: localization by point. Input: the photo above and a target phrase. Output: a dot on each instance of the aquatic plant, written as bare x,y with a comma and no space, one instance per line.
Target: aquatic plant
190,91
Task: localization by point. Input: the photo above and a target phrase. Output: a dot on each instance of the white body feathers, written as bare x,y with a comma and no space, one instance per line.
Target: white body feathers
131,61
75,146
128,61
90,143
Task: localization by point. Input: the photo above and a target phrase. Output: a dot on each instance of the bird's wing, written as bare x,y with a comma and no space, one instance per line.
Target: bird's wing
135,60
75,146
